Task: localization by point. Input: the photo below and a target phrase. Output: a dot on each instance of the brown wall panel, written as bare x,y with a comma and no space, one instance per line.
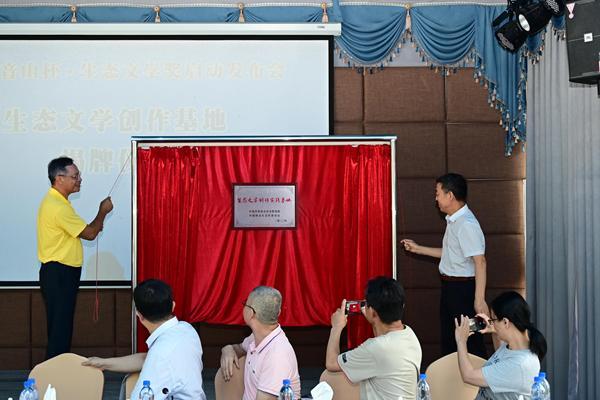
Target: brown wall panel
494,292
94,351
420,147
122,351
473,152
504,256
348,128
211,356
90,333
417,211
38,355
498,205
220,335
312,335
311,355
421,313
15,314
38,319
123,305
15,358
404,94
416,271
348,95
431,352
467,100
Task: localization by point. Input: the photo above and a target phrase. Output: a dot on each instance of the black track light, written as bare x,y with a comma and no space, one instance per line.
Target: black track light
525,18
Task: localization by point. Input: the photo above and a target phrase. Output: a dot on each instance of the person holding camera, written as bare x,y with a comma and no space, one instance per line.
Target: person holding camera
270,358
510,371
384,367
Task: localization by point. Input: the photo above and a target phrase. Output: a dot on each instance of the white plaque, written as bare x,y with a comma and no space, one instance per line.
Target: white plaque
267,206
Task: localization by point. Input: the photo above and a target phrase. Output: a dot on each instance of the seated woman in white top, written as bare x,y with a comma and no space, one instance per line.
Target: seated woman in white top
511,370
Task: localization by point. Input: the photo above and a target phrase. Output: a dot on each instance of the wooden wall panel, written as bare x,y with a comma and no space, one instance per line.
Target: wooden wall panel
417,210
404,94
420,147
348,128
15,314
414,271
91,333
15,358
473,152
467,100
38,320
348,96
123,306
498,205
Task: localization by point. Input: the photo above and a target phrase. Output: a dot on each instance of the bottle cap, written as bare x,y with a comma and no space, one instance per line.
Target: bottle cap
287,382
32,380
537,379
146,383
542,375
422,376
26,384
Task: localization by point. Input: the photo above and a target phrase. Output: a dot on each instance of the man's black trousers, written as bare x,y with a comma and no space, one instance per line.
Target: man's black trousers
457,298
59,284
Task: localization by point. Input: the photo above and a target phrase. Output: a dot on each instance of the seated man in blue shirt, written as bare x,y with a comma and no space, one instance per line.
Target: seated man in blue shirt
173,364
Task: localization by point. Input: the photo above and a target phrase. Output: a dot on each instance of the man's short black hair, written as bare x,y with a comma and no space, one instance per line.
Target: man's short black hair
58,166
153,299
454,183
386,296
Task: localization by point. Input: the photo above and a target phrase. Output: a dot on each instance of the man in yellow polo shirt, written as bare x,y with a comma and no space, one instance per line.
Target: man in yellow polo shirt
59,233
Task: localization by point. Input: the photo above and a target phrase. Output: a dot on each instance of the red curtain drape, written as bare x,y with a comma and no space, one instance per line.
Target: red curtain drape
342,236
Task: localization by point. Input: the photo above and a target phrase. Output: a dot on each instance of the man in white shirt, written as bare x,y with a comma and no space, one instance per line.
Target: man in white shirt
384,367
462,262
173,364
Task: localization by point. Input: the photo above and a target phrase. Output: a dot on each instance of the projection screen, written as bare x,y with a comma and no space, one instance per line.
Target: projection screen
84,90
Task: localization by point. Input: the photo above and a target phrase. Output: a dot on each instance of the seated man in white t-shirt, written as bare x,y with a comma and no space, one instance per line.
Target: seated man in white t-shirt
173,363
384,367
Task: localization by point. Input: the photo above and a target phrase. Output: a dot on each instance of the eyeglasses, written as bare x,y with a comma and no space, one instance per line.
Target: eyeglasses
250,307
75,177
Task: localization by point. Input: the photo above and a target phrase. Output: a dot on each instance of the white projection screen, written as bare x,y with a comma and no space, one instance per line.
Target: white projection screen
85,90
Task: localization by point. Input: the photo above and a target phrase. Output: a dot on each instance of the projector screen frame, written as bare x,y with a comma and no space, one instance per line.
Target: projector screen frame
166,32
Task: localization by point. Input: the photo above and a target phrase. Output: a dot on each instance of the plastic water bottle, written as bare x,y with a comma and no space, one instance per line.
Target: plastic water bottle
146,393
286,392
36,394
536,389
26,393
545,386
423,392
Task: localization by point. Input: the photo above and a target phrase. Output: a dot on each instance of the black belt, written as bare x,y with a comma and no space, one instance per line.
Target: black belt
448,278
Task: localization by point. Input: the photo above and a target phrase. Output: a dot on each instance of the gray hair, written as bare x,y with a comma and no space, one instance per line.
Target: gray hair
266,302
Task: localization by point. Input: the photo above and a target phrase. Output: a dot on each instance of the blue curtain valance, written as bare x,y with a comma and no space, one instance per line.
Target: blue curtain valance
370,34
446,36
